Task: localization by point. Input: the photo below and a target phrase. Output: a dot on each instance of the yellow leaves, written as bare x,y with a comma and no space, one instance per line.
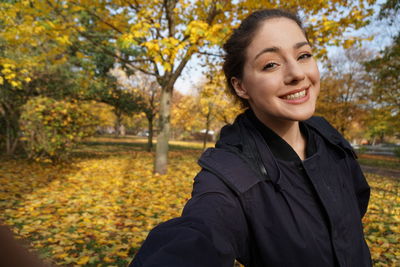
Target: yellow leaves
123,254
107,259
29,39
62,255
152,46
348,43
196,30
83,260
76,8
382,221
80,55
100,207
16,84
9,70
164,51
217,33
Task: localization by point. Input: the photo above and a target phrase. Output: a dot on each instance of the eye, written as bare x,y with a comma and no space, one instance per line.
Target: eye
269,66
305,56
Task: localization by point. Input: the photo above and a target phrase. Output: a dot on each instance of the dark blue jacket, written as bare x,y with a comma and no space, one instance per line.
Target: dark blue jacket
243,208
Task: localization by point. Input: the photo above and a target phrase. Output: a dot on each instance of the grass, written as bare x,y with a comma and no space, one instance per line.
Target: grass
379,161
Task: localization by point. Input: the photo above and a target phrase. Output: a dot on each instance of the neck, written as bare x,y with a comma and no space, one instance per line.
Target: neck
288,131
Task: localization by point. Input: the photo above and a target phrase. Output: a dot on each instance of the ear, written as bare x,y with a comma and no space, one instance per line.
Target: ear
239,88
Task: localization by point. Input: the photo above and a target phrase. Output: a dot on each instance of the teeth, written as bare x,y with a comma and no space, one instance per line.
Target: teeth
295,95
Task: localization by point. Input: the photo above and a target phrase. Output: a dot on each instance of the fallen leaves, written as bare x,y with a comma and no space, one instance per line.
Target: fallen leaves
382,221
97,211
94,212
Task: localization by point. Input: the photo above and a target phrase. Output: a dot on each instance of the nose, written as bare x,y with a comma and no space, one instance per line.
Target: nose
293,72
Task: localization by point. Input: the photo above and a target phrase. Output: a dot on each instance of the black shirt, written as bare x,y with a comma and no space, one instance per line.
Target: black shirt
291,167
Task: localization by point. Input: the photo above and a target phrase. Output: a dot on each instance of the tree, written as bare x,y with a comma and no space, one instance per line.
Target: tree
51,128
147,89
344,90
384,71
185,115
55,81
390,10
215,106
160,37
34,60
124,102
381,123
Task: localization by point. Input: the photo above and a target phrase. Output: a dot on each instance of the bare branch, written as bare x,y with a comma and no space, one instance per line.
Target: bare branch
212,13
136,8
210,54
141,70
105,22
155,69
174,76
169,6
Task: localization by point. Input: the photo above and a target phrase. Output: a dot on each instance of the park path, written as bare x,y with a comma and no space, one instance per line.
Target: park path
381,171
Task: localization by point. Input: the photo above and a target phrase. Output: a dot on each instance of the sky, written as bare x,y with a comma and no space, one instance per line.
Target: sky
192,74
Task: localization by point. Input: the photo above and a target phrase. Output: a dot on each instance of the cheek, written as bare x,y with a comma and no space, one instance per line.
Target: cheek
314,74
264,86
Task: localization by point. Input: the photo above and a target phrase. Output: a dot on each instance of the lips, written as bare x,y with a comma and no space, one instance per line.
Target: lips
295,94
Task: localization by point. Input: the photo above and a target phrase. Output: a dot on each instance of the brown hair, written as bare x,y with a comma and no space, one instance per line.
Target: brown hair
235,46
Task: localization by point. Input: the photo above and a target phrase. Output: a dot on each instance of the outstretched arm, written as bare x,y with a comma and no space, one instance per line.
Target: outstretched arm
212,231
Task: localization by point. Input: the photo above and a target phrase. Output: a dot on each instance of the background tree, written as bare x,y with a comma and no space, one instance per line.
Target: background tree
52,128
185,119
384,71
145,88
124,102
160,37
55,81
380,124
215,106
345,87
35,59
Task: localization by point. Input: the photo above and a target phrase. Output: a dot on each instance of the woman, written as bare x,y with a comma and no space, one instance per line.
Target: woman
281,188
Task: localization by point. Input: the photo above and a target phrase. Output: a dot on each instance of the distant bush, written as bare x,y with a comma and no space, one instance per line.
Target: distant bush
397,152
362,150
51,128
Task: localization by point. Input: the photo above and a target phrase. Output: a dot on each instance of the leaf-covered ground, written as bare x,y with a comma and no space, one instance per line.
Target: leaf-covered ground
96,210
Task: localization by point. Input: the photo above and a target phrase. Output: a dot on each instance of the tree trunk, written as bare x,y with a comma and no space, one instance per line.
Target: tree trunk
150,137
118,122
12,130
207,129
374,140
161,160
382,137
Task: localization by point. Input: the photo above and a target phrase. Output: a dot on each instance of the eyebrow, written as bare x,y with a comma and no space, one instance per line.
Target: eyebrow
275,49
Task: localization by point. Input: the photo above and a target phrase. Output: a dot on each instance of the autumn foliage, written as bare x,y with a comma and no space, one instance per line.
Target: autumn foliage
97,208
51,128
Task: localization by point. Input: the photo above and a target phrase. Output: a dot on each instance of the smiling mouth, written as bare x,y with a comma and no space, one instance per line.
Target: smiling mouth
298,94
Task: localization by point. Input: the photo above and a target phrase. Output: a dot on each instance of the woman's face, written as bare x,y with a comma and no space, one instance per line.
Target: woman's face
280,77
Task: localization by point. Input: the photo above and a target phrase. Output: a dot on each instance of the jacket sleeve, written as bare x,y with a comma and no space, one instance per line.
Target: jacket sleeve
361,187
183,241
212,231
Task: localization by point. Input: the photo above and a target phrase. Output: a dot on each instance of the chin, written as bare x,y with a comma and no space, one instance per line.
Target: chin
302,116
